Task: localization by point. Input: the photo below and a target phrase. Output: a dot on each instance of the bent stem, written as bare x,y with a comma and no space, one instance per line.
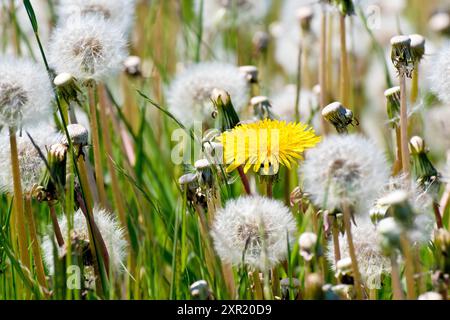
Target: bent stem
244,180
19,217
351,249
56,228
96,145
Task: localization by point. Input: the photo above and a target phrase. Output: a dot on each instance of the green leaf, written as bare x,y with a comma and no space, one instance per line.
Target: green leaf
31,14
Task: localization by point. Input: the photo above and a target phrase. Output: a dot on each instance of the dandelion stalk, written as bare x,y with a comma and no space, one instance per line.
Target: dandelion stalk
395,279
96,144
18,201
351,249
344,72
335,234
117,194
257,286
322,65
56,228
35,243
404,126
409,268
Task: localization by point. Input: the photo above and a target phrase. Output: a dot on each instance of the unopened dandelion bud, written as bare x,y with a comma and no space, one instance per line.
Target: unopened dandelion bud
377,212
338,116
250,72
344,267
417,46
390,232
307,244
200,290
67,87
343,291
203,167
187,179
399,207
424,172
393,104
401,55
345,7
430,295
440,22
228,117
78,134
290,287
442,240
261,41
313,284
262,107
132,66
305,15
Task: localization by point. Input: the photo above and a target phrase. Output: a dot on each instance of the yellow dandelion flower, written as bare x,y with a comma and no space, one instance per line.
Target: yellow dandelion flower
266,143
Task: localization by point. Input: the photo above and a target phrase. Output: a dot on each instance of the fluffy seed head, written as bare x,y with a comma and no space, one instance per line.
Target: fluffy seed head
25,93
346,169
88,48
440,77
255,226
30,162
371,261
110,229
189,95
118,12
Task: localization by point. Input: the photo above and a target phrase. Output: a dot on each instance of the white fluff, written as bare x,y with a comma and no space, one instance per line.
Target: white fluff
118,13
87,48
189,93
25,93
345,169
30,162
440,75
112,233
242,221
371,261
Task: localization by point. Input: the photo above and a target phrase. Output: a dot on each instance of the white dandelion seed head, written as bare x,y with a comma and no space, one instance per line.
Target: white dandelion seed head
25,93
31,163
189,95
440,77
88,48
226,13
421,203
371,261
345,169
110,229
264,225
437,128
118,12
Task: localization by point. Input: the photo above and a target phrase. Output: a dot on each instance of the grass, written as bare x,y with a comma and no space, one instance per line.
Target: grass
169,247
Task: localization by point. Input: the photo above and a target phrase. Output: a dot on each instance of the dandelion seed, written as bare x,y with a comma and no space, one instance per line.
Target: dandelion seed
30,161
440,77
347,170
255,228
25,93
109,227
371,261
118,12
189,95
225,13
88,48
266,144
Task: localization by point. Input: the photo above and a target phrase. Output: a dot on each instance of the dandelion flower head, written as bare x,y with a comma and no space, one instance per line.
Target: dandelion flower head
110,229
267,144
345,169
256,228
25,93
88,48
